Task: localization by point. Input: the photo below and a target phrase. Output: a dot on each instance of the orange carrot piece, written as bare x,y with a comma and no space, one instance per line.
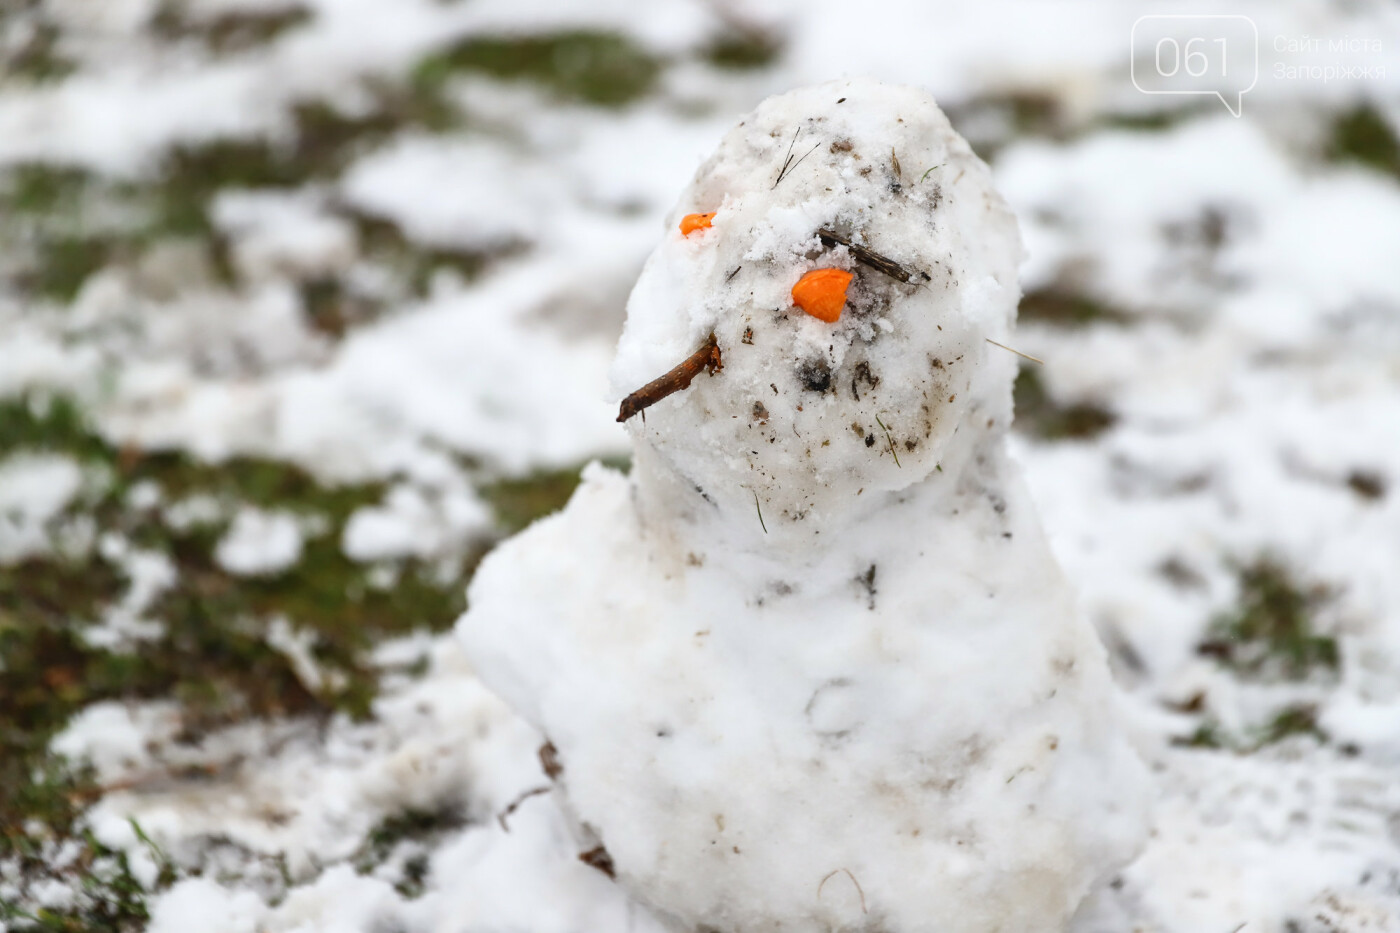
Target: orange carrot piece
692,222
822,293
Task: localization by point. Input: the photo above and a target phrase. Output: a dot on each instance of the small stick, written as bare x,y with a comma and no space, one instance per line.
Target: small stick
869,257
515,804
889,440
679,378
760,508
859,890
1033,359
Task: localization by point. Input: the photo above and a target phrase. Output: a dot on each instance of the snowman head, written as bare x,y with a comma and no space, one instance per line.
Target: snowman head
810,415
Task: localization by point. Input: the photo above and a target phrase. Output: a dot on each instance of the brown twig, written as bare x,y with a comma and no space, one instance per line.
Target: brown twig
859,890
874,260
515,804
679,378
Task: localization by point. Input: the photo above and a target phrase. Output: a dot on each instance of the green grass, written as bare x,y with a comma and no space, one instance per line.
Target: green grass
49,794
1270,632
38,60
213,656
1064,308
1363,135
383,242
61,225
1040,415
1299,719
228,32
1207,734
605,69
45,229
518,501
1152,121
742,50
412,825
36,189
109,897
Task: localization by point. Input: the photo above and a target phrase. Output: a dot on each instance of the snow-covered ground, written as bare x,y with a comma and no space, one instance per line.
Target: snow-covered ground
360,248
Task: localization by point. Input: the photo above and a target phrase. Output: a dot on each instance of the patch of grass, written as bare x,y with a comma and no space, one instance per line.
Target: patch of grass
37,59
1300,719
48,671
1151,120
50,246
228,32
225,667
1064,308
190,175
50,424
65,264
605,69
46,212
1206,735
36,188
518,501
1363,135
1034,114
107,894
742,49
383,241
323,141
1270,633
48,674
1293,720
1040,415
58,225
213,656
328,139
412,825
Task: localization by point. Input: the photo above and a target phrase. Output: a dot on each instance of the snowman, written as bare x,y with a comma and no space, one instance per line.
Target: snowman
811,665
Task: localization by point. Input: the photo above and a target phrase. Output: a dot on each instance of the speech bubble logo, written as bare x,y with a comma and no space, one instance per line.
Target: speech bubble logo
1183,53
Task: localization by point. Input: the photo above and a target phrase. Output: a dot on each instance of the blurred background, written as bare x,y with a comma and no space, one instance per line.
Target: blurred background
304,304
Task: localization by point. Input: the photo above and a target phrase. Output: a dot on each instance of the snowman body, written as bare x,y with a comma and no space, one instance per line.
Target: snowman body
811,665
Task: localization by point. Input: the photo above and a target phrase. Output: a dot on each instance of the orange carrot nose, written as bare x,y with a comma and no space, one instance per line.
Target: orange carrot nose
692,222
822,293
